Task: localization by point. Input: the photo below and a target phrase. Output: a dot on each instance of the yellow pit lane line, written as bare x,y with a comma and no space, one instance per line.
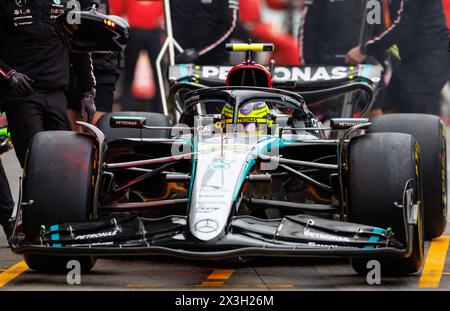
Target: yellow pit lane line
215,276
12,272
435,262
211,284
221,274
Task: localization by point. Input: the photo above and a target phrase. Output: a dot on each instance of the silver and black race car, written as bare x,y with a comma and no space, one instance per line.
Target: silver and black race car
245,171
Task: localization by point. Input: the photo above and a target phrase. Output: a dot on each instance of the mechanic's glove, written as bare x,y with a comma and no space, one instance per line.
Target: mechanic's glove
20,83
189,56
88,106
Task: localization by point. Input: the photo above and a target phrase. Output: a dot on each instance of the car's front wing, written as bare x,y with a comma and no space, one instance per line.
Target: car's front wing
300,235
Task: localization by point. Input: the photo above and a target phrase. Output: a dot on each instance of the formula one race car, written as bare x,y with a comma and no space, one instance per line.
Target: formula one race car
247,171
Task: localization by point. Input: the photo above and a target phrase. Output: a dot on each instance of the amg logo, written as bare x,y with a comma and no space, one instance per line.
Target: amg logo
97,235
323,236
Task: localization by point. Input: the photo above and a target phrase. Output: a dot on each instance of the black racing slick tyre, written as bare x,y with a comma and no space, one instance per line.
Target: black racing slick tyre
152,119
57,188
380,167
429,131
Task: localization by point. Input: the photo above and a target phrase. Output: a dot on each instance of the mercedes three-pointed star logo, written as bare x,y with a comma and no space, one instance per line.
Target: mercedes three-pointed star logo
206,226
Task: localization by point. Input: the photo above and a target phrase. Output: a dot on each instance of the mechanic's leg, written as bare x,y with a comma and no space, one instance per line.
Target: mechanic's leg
427,103
104,100
74,103
25,119
132,51
6,202
393,102
55,118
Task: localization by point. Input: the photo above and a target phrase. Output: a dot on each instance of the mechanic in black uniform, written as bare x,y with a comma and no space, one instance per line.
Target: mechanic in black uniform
421,35
106,74
34,70
202,28
330,28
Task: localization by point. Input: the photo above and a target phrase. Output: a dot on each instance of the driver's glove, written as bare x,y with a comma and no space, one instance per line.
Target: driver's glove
88,106
20,83
189,56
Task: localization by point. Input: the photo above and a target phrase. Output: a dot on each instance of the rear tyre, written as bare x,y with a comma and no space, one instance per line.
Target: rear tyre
429,132
153,119
380,166
59,179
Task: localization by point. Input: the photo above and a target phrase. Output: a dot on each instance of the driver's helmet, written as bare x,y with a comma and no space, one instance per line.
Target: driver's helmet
253,117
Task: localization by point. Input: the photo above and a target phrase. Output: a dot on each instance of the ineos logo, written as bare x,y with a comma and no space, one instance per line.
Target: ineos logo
206,226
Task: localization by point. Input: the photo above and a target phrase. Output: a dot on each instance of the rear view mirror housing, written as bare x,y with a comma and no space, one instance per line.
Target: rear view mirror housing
90,31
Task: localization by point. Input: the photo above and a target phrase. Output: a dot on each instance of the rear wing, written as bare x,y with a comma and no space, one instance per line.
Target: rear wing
293,78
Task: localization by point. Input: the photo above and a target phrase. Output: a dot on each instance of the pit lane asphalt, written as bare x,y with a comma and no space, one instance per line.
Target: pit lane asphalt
171,274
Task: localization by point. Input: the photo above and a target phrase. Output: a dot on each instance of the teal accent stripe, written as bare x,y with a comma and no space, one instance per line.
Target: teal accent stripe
54,228
378,230
57,245
365,73
55,237
184,72
261,147
374,238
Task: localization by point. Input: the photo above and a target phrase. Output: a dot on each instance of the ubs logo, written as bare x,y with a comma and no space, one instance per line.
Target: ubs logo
206,226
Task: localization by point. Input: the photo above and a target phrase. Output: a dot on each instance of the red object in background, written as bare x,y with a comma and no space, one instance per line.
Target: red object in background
276,4
281,4
249,11
143,84
286,46
447,11
141,14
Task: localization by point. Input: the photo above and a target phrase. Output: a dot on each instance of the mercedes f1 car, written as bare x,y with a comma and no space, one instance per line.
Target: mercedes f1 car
245,171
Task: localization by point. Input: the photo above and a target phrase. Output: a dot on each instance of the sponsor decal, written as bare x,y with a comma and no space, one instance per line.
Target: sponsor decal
288,73
127,123
20,3
192,98
324,236
97,235
206,226
220,165
310,74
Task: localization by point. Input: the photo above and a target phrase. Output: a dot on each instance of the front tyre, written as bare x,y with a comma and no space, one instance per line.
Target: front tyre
59,180
381,166
429,131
